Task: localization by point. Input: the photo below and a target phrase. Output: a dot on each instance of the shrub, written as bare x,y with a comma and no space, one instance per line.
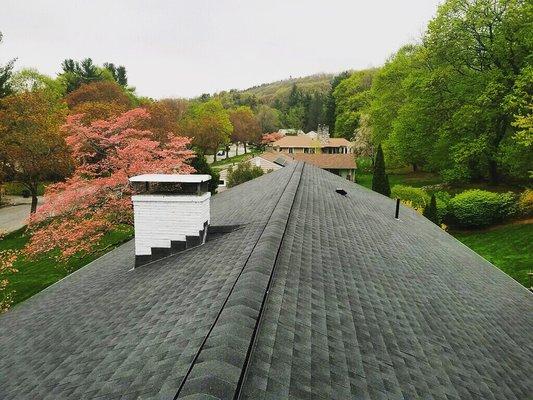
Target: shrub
418,197
443,200
479,208
525,203
244,172
430,212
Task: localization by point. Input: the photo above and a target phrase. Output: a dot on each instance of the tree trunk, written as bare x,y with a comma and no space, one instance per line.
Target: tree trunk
244,147
215,156
33,202
237,148
493,173
501,130
415,167
227,152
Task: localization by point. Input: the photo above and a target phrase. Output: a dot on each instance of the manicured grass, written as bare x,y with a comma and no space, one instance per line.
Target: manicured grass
236,159
509,247
35,275
16,188
415,179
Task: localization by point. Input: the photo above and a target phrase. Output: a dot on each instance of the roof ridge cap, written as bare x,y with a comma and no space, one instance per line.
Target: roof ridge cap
232,334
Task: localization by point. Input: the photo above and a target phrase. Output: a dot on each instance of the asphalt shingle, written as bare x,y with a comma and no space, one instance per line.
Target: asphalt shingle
314,296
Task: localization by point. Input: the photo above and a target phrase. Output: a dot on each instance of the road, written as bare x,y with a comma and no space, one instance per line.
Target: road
14,217
232,152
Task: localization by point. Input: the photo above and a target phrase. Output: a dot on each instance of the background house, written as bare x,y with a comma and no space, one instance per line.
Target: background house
340,164
312,143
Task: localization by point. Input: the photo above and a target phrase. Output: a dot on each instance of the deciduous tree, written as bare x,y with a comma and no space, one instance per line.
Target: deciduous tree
244,172
352,97
32,148
246,129
484,45
209,126
331,104
97,197
103,91
268,118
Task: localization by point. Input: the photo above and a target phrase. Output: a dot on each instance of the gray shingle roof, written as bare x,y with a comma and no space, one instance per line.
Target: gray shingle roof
316,295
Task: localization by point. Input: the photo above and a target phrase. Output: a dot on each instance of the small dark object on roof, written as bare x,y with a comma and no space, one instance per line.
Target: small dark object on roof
341,191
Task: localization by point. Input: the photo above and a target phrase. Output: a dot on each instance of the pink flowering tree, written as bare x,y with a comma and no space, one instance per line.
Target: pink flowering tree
7,259
268,138
97,197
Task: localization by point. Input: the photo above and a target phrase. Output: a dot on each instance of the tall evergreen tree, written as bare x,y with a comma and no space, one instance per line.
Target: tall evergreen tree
380,180
430,212
295,96
122,77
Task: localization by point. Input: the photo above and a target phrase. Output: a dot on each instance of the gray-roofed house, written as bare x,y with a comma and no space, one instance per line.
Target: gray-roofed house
298,293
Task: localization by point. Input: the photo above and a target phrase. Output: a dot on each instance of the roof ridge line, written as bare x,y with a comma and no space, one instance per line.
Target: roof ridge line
264,239
259,319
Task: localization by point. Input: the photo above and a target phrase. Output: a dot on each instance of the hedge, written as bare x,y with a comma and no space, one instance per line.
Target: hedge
416,196
479,208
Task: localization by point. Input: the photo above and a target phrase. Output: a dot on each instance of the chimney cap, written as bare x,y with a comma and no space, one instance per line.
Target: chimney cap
171,178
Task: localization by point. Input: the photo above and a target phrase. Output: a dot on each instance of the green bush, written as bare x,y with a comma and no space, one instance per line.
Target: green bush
199,163
244,172
479,208
443,200
418,197
525,203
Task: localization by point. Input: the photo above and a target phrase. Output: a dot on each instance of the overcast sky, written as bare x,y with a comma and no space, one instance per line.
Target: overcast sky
177,48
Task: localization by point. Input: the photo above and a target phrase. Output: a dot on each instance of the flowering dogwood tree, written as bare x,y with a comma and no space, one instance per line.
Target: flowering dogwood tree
7,258
268,138
97,198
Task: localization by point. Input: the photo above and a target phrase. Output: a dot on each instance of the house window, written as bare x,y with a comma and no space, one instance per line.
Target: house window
306,150
291,150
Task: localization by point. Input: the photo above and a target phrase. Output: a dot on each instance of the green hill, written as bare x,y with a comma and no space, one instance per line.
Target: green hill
268,92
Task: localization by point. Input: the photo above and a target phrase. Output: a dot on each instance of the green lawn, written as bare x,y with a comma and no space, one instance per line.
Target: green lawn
17,189
35,275
509,247
417,179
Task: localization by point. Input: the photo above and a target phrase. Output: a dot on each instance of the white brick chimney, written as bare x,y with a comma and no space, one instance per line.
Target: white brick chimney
171,213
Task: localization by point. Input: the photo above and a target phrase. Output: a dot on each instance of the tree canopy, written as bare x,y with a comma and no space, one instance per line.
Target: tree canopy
32,148
97,197
209,126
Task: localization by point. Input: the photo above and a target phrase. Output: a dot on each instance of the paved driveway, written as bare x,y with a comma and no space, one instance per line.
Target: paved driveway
14,217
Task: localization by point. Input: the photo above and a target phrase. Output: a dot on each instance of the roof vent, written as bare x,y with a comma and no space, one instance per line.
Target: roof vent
171,213
341,191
